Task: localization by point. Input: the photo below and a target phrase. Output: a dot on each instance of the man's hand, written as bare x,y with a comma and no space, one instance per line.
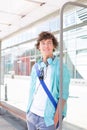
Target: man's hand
56,118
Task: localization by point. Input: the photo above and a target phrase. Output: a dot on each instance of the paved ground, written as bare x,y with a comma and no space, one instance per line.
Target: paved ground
10,122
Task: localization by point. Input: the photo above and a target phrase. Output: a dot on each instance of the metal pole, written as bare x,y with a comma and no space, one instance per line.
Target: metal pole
0,71
61,54
6,99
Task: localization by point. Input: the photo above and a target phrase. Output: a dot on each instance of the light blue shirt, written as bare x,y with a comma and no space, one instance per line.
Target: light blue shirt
54,82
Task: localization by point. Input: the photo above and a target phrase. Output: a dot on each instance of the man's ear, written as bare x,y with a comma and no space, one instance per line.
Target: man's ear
39,47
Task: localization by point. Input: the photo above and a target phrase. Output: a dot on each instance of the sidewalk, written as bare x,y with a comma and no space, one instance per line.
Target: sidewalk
10,122
68,126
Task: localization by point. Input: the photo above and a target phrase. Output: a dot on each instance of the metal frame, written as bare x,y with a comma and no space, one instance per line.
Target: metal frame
61,53
0,71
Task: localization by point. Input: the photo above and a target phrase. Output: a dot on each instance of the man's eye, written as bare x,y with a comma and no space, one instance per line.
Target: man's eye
48,43
43,43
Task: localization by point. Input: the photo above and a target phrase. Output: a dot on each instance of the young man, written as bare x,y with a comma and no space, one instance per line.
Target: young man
41,114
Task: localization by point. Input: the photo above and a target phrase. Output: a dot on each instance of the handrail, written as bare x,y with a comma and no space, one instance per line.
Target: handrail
61,54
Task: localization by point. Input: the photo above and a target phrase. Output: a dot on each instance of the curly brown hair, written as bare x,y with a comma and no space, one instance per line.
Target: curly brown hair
44,36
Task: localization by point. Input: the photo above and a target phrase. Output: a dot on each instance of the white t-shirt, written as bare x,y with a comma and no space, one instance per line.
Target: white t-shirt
40,97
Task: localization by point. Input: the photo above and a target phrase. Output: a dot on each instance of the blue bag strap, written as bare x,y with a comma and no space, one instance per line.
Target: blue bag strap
45,87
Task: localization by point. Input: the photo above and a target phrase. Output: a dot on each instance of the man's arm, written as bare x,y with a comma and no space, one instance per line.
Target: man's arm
56,116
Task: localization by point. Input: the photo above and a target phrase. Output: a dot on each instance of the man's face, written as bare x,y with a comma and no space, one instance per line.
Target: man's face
46,47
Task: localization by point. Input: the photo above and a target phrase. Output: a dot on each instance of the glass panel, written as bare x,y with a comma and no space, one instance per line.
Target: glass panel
75,44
